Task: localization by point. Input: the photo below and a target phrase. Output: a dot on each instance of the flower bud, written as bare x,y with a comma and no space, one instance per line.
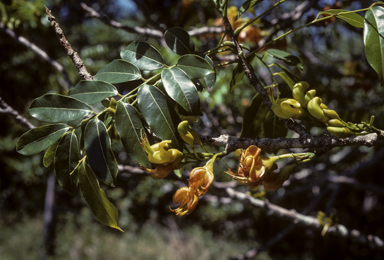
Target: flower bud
298,92
288,108
332,114
316,111
335,122
309,96
340,132
113,103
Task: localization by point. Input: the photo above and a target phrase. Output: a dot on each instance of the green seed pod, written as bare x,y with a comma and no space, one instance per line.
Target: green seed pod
298,91
331,114
316,111
339,132
336,122
309,96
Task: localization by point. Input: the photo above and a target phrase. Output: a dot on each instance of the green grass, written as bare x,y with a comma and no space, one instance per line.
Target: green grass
93,241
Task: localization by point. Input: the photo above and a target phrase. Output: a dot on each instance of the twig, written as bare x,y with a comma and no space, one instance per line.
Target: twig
205,29
249,72
42,54
82,71
144,31
6,109
139,30
308,221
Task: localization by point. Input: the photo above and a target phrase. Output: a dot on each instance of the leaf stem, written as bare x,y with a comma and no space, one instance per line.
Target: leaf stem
302,26
239,29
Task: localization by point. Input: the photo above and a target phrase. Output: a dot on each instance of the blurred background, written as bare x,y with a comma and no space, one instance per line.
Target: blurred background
346,184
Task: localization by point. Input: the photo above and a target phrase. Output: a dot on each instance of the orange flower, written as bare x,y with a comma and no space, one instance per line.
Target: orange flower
188,201
163,170
200,179
252,168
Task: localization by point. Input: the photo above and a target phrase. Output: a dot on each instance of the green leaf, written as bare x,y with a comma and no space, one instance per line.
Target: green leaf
40,138
195,66
180,88
237,75
91,92
352,18
273,127
374,41
103,210
293,77
143,55
118,71
54,108
260,122
286,57
179,41
209,80
129,127
288,80
49,156
153,105
247,5
98,150
67,157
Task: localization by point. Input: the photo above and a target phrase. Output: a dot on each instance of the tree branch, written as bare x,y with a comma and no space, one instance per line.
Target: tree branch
323,142
308,221
6,109
82,71
42,54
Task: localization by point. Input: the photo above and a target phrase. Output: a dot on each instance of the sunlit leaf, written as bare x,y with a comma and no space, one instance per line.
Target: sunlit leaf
40,138
260,122
103,210
98,150
67,157
180,88
54,108
118,71
286,57
91,92
374,39
143,55
352,18
208,82
153,105
129,127
247,5
179,41
195,66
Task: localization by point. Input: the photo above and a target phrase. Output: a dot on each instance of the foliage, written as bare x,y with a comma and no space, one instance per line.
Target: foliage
147,101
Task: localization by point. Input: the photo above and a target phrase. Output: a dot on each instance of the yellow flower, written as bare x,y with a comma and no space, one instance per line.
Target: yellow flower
188,201
158,154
